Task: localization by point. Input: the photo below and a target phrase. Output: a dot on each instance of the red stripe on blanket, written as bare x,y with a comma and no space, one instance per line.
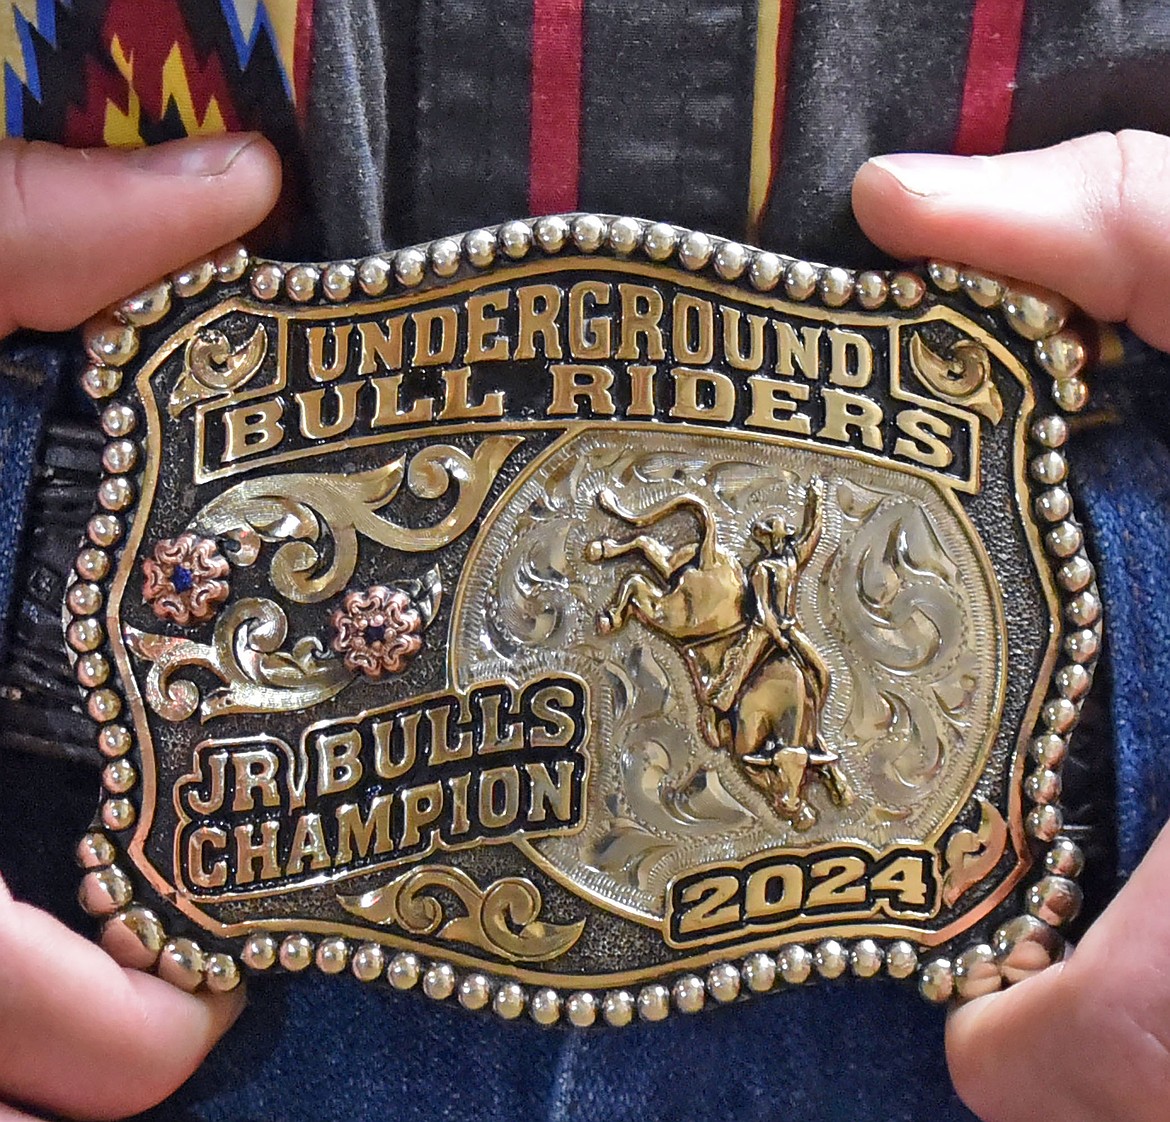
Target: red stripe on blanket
997,28
555,145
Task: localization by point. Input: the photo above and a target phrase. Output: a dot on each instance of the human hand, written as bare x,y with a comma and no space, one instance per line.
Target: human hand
80,1036
1087,1040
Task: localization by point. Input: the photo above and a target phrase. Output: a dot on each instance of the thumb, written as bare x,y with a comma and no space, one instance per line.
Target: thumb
1087,1040
1089,218
80,229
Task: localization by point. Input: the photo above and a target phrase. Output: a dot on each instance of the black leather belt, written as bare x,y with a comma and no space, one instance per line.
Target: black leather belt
40,708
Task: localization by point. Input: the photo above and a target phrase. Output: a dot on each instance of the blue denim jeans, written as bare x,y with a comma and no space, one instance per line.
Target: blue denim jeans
332,1049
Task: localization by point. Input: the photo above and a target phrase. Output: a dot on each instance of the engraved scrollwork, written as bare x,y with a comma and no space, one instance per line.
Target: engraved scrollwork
299,509
898,603
245,654
501,918
892,600
900,607
541,597
211,368
666,794
961,376
972,854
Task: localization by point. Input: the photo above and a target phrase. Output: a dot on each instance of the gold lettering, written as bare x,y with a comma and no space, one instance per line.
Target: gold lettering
774,405
848,411
385,764
924,446
641,313
588,382
308,844
338,337
589,337
421,806
837,881
556,727
355,835
457,404
757,904
540,320
458,785
252,428
387,405
255,771
217,768
686,395
382,348
856,371
338,765
431,347
709,899
641,391
693,330
197,871
549,795
754,359
441,751
249,851
494,722
483,342
507,780
311,404
792,351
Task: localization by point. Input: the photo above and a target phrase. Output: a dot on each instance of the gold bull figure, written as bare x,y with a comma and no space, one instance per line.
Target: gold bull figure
759,681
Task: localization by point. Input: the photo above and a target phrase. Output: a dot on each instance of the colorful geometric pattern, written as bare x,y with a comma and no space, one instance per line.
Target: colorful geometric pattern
156,72
20,22
126,73
276,19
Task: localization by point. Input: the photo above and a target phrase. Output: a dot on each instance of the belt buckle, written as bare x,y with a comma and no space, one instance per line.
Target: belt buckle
584,617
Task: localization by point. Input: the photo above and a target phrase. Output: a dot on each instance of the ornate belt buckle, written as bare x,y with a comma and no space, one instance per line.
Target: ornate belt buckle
584,617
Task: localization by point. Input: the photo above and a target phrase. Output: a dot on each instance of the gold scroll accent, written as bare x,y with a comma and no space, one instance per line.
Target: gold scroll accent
500,919
971,854
300,508
245,654
961,376
212,369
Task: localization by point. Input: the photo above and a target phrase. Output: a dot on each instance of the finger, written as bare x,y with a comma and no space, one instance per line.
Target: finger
81,229
1089,218
11,1114
1087,1040
82,1037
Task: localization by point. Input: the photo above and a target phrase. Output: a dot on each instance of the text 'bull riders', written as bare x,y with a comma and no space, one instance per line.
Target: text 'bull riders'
591,619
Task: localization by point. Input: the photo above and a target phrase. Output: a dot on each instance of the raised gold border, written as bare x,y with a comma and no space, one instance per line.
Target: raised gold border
112,341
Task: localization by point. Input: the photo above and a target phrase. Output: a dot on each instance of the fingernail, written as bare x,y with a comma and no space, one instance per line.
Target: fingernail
206,156
924,174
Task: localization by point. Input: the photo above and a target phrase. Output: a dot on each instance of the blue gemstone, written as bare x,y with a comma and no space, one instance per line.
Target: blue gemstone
182,580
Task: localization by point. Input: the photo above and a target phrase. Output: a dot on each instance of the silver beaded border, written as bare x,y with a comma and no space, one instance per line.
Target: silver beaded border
135,935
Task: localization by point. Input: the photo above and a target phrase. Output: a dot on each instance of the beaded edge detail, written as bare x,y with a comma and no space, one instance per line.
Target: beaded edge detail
135,935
